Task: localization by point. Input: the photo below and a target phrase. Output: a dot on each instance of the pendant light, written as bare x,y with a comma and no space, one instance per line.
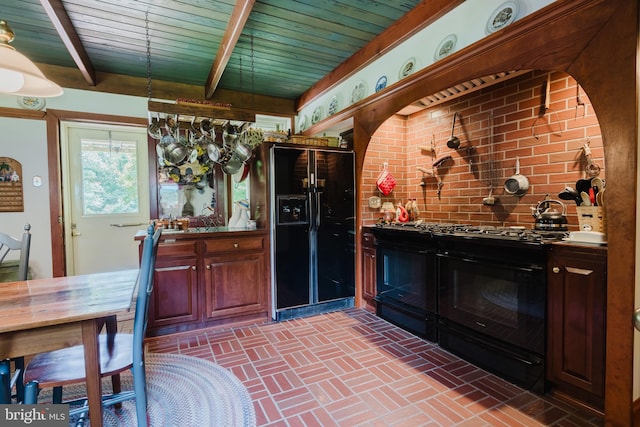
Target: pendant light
18,75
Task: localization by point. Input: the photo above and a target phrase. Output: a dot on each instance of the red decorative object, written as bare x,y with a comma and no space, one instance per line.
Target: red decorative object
385,182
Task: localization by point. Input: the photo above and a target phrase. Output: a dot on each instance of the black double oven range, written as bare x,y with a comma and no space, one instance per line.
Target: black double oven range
479,292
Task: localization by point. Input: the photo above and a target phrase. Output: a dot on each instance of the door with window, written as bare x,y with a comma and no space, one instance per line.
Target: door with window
106,182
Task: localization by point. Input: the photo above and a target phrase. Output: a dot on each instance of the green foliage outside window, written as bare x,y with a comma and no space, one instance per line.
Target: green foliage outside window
110,181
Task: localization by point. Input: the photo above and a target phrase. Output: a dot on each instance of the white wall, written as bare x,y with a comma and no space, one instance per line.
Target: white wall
26,141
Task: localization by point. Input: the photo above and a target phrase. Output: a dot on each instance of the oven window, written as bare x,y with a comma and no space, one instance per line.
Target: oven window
402,277
506,302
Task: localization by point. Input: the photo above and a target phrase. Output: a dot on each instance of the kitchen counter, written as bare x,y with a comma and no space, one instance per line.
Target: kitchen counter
595,246
192,232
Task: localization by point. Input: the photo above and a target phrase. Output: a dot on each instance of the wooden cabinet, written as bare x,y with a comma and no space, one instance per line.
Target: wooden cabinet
174,300
368,267
233,267
210,279
576,302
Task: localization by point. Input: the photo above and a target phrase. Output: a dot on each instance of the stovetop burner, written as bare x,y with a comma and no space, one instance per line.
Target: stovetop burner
514,233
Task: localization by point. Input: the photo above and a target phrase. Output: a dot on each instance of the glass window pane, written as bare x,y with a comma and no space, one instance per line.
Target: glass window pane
109,177
239,190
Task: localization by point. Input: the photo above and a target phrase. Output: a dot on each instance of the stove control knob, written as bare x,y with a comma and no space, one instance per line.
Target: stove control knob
556,270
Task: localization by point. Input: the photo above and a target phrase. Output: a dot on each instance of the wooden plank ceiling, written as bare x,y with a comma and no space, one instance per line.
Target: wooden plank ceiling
275,48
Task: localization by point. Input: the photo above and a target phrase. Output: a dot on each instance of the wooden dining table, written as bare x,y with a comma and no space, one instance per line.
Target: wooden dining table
48,314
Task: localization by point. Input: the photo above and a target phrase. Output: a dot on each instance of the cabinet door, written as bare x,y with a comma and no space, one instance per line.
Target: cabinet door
368,266
576,305
235,284
174,298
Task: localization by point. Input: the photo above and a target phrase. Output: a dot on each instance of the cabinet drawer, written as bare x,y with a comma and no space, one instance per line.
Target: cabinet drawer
235,244
368,239
177,248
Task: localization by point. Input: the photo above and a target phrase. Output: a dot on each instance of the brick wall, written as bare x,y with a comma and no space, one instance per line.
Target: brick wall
499,123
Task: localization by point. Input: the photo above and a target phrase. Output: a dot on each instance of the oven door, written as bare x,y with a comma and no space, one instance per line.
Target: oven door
404,276
406,293
503,300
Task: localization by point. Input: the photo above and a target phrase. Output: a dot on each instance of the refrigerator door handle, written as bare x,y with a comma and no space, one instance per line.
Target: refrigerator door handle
318,195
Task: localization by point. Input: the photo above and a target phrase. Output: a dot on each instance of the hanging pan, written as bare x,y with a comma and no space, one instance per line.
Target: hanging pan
517,184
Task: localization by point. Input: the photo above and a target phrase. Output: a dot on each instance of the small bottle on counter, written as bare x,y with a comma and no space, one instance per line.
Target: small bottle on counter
412,209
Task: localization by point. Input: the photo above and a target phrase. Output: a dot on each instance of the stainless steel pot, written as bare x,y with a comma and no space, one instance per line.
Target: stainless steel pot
517,184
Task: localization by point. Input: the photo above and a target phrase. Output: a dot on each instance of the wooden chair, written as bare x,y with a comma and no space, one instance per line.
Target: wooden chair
8,380
66,366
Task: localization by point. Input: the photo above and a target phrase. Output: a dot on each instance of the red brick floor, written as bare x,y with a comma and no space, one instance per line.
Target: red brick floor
351,368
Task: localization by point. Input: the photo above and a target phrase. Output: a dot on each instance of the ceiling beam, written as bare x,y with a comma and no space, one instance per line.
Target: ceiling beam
425,13
61,21
70,77
236,24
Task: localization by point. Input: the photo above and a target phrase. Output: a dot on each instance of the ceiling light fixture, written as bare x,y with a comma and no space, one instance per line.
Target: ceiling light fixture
18,75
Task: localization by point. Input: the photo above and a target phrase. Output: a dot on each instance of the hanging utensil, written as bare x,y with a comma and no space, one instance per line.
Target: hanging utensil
579,103
442,161
489,200
592,169
454,141
517,184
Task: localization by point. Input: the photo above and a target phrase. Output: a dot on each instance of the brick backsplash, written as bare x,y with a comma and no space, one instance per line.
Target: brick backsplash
500,123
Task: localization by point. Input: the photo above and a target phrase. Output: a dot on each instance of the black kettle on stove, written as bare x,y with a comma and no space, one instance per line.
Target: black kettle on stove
550,215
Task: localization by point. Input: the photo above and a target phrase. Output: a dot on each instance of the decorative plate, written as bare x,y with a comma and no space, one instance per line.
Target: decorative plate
333,106
504,15
359,91
31,102
407,68
302,122
381,83
446,46
317,115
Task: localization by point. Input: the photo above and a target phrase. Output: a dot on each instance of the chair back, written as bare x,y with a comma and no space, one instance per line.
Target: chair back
8,243
145,287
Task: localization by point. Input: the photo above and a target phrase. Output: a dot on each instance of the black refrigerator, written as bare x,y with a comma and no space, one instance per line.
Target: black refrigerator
313,230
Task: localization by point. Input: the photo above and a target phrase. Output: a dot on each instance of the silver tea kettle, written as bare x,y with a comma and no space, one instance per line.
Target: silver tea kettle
548,218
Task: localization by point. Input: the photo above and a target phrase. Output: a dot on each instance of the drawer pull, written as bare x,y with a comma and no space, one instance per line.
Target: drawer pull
580,271
236,245
556,270
193,267
208,266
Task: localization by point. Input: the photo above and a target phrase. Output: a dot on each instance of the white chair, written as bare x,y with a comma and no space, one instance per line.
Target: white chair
7,380
23,245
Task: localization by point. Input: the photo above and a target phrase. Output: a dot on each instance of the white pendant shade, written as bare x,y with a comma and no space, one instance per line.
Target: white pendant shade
20,76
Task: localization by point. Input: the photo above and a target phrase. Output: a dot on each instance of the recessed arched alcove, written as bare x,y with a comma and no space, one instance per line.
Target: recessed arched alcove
595,42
